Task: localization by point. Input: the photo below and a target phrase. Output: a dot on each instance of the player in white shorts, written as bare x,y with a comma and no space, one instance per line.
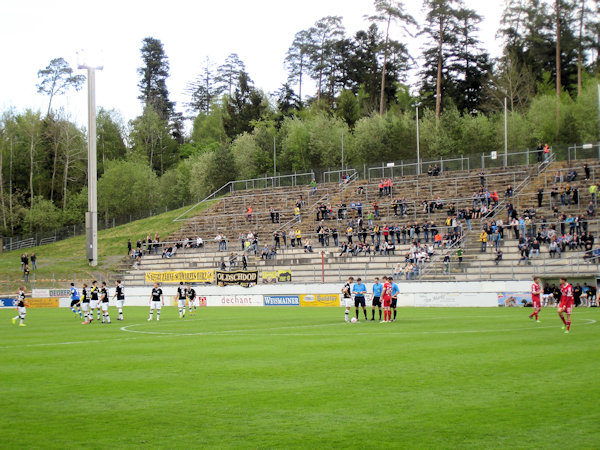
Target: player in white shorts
85,304
156,301
181,299
104,303
120,294
191,295
94,292
21,308
348,301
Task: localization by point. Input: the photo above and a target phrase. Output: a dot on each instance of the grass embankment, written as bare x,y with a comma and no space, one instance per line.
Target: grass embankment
66,260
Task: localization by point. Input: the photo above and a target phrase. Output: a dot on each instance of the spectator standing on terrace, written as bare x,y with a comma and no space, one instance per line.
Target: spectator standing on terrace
593,191
482,178
313,185
249,214
33,261
298,234
272,214
26,273
483,236
586,170
540,152
297,213
459,254
540,196
129,247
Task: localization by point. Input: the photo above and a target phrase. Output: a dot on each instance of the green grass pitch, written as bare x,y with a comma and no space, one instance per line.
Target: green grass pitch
287,377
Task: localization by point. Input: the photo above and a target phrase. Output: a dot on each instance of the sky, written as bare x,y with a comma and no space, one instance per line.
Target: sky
33,32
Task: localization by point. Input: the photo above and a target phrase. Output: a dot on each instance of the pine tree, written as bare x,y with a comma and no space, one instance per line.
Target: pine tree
153,76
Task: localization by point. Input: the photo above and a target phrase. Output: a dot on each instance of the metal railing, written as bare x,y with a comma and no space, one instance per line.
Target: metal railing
230,187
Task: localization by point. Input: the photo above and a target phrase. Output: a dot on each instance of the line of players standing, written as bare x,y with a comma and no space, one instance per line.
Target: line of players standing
384,294
96,298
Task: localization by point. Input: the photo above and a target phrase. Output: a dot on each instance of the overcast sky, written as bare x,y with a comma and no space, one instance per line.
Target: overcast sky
33,32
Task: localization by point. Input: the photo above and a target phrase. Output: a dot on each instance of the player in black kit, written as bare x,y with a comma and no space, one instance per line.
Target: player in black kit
181,291
120,294
21,304
156,302
191,295
104,303
85,304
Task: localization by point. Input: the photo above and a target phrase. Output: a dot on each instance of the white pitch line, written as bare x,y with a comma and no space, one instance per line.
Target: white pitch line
249,332
253,332
49,344
221,332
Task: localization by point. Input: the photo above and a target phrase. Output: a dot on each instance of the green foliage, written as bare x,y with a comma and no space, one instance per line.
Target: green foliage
208,129
127,188
153,78
42,216
152,140
347,107
57,78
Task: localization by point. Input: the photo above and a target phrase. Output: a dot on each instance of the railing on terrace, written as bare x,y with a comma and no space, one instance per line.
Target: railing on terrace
229,188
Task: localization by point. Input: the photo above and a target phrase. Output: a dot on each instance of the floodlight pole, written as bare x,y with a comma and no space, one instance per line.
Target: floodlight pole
91,216
418,145
506,132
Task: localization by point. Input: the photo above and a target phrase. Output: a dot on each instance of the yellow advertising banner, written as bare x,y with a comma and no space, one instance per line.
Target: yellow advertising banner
42,302
187,276
276,276
320,300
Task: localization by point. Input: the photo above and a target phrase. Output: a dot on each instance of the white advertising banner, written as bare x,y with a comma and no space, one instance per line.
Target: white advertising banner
234,300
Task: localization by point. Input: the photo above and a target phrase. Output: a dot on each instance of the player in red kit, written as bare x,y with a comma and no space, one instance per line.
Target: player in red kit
566,303
536,292
386,297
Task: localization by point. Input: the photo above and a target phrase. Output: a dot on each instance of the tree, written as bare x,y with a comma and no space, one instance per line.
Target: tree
152,140
203,90
389,11
57,79
228,73
440,29
30,125
297,59
109,137
127,187
246,105
322,37
153,76
512,80
470,65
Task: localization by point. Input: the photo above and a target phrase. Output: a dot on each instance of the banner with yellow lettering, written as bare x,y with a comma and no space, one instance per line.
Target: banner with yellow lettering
187,276
320,300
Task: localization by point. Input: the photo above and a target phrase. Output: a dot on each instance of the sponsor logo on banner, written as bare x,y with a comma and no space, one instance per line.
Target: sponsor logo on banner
43,302
514,298
42,293
276,276
320,300
234,300
197,276
238,278
282,300
201,301
57,293
8,302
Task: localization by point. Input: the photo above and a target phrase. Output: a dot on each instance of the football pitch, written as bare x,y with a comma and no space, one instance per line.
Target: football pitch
288,377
